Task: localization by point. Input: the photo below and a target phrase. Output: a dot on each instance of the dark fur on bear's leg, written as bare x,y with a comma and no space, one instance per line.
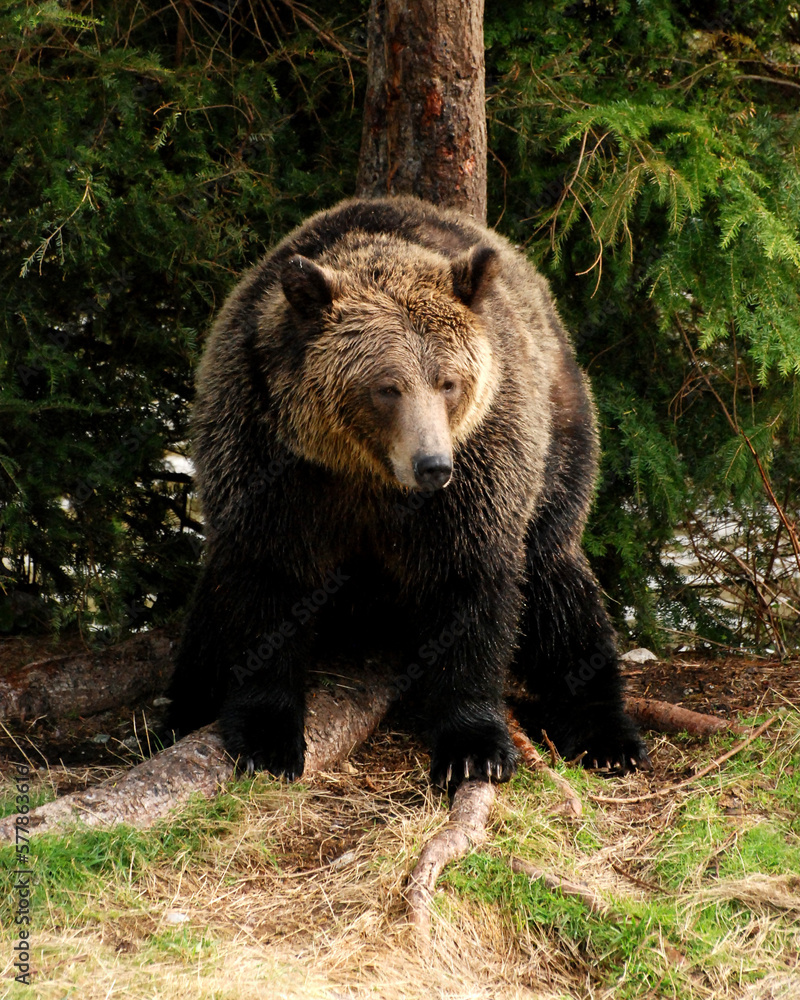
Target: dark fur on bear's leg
262,725
235,664
200,679
567,657
467,649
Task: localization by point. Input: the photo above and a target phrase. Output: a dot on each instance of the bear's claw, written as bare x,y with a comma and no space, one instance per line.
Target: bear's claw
290,770
264,739
488,763
630,756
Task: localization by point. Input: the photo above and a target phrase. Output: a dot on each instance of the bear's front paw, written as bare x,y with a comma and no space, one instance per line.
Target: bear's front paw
613,747
485,753
619,755
265,741
604,738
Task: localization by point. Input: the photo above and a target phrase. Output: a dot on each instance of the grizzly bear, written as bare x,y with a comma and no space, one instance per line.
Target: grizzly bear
385,352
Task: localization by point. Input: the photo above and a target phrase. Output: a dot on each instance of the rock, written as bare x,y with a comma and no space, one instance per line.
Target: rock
640,655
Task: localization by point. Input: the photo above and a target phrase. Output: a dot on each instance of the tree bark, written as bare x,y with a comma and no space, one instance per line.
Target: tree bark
338,719
90,682
424,129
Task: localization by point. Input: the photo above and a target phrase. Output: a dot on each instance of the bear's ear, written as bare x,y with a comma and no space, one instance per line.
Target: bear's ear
306,285
473,272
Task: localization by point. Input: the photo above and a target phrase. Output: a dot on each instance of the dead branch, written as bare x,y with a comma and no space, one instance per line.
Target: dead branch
338,719
671,789
325,36
465,829
90,682
667,718
571,806
739,432
557,883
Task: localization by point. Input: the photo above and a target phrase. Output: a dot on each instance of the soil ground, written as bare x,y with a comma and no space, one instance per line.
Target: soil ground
82,749
328,902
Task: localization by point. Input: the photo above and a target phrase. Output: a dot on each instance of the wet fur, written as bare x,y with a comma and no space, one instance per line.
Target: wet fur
296,475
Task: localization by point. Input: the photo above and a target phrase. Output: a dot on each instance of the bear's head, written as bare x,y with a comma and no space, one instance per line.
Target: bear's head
397,366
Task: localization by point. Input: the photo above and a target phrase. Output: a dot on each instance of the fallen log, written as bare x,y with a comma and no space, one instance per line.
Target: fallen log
339,717
89,682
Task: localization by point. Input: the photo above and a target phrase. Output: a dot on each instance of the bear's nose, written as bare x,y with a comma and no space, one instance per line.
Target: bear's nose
432,471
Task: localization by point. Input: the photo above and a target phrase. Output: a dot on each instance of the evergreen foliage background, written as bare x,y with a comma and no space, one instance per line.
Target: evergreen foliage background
644,154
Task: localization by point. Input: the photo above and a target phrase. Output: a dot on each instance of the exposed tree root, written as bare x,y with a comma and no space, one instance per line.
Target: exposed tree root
666,718
97,680
571,806
338,719
557,883
465,829
141,795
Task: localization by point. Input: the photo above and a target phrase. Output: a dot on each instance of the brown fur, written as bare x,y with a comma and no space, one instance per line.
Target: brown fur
380,338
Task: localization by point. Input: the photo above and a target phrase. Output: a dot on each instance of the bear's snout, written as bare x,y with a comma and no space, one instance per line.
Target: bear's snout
432,472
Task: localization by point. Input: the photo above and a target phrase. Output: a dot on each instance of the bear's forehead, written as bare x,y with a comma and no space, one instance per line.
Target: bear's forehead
400,268
394,315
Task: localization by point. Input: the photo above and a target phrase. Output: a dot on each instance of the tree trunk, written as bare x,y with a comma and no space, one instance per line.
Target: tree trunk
424,127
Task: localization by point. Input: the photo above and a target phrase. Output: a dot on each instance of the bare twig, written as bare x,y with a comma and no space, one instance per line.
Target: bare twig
769,79
557,883
551,747
571,806
671,789
324,36
740,433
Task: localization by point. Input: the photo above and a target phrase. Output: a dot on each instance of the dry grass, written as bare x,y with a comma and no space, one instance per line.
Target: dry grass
298,893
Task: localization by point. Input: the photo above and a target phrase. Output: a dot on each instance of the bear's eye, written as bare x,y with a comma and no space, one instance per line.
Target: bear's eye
388,391
448,386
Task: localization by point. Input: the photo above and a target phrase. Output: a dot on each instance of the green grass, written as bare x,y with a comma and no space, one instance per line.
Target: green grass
38,795
93,873
716,918
714,910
